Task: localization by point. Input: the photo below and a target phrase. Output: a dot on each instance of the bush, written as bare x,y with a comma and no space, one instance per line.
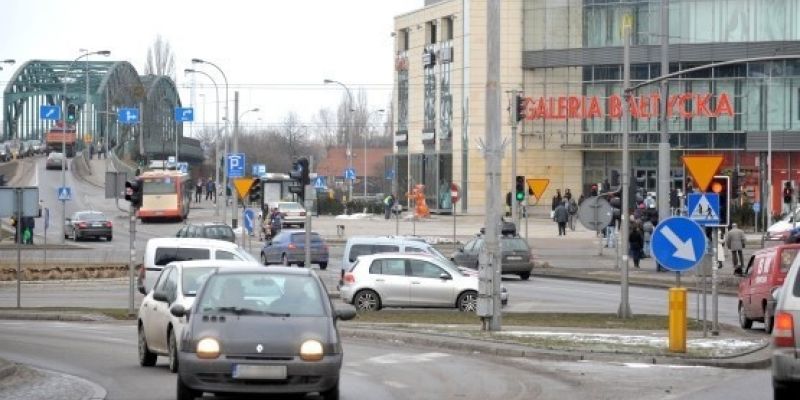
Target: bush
328,206
743,215
372,206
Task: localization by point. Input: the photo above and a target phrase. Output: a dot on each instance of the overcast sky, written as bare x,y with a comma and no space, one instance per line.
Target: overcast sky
276,53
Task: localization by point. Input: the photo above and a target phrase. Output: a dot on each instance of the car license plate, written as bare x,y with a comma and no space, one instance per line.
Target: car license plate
97,224
244,371
514,258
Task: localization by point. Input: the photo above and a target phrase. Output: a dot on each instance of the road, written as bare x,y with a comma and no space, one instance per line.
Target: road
105,353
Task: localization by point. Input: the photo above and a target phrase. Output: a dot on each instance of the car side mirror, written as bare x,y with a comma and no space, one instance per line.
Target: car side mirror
345,312
445,277
178,310
142,290
160,296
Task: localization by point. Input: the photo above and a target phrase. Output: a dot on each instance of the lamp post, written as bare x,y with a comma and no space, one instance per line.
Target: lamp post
105,53
219,133
235,143
365,149
349,133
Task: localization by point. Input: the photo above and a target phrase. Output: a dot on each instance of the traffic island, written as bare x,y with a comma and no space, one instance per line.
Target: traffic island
62,271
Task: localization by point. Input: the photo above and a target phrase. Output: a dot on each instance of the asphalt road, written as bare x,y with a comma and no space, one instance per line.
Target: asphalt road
105,353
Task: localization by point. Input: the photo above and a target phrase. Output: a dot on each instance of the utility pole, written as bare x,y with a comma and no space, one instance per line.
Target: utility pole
624,310
662,193
488,304
234,216
514,120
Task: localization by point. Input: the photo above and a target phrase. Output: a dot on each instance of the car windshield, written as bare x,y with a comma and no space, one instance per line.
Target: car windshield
244,254
193,278
452,268
261,293
289,206
514,244
91,217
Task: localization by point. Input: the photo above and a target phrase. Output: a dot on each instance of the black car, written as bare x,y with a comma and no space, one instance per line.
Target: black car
207,230
260,331
516,255
86,224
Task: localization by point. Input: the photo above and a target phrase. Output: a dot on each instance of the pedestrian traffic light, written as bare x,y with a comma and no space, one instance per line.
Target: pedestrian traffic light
256,192
720,185
520,188
133,193
300,174
72,113
519,104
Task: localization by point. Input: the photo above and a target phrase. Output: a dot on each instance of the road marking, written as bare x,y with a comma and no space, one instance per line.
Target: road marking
397,358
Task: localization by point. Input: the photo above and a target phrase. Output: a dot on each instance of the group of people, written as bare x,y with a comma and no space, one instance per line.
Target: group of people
26,230
210,187
564,210
100,150
271,224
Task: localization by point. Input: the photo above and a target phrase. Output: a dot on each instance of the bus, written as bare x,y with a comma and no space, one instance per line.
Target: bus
166,194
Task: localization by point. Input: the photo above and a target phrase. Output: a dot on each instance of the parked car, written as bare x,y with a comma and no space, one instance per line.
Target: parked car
265,331
515,252
765,271
37,146
357,246
208,230
56,160
408,280
5,152
86,224
178,283
288,247
786,337
781,230
293,213
161,251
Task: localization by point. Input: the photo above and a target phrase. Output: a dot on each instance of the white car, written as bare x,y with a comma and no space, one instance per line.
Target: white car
293,213
178,283
780,229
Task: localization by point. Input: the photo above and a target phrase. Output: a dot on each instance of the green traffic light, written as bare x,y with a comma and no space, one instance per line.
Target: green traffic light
520,196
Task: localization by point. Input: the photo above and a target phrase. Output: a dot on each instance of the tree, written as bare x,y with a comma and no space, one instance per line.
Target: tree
160,59
325,128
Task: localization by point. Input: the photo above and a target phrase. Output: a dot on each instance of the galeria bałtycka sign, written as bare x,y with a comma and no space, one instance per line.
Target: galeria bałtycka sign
683,105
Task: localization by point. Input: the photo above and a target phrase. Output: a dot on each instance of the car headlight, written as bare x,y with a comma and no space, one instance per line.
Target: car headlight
208,348
311,350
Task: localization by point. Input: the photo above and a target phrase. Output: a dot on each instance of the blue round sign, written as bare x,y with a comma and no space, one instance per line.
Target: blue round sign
678,244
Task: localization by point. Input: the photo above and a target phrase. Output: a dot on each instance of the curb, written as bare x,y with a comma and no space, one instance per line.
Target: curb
97,391
7,369
53,316
610,281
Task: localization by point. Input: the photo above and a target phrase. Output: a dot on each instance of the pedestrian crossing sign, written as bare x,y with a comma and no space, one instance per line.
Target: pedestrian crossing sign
64,193
704,208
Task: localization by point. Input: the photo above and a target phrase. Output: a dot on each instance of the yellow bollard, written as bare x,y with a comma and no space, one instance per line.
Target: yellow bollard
677,320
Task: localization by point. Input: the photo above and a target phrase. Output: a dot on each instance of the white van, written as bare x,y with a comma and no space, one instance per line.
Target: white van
161,251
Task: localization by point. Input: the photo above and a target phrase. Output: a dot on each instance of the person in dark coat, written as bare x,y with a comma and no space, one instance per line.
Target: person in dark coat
561,216
557,200
636,244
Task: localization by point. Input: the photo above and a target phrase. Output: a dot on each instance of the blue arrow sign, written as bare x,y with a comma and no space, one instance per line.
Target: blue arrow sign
64,193
128,116
235,165
249,217
259,170
52,113
678,244
184,114
703,208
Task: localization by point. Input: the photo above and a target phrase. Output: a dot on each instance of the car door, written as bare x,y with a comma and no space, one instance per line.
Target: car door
462,257
752,280
390,280
155,310
472,253
161,316
273,250
428,288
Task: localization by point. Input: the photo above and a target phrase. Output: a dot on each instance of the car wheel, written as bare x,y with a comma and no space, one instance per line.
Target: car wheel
323,265
173,352
185,392
367,300
146,358
769,321
467,301
780,390
285,259
332,393
524,276
744,322
264,259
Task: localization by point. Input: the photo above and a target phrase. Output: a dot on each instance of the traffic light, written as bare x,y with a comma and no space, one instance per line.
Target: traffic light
256,193
520,188
300,174
133,193
721,186
519,104
72,113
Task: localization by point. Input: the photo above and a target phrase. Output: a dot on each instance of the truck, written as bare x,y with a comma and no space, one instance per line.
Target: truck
61,136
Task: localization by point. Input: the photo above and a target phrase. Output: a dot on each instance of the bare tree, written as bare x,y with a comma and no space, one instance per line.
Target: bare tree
325,128
160,59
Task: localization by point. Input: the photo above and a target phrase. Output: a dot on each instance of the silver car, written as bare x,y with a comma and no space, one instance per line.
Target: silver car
408,280
293,213
786,337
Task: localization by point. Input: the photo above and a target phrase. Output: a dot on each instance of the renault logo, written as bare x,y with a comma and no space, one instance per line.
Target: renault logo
259,348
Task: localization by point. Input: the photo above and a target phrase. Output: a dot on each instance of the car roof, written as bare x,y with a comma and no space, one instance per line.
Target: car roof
216,263
384,240
200,242
415,255
208,224
775,249
267,271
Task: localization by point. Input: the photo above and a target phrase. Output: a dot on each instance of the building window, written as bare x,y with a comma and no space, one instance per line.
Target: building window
446,103
402,101
430,99
447,29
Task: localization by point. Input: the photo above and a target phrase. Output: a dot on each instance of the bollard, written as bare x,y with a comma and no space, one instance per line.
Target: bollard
677,320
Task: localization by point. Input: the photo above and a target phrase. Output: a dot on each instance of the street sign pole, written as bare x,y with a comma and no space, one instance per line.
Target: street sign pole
309,203
46,225
132,259
18,201
714,292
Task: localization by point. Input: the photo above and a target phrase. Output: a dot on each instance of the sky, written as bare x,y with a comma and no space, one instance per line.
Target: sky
275,53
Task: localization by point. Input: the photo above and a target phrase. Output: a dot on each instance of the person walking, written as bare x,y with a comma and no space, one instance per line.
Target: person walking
647,233
735,242
635,243
91,150
556,202
572,210
388,203
561,216
198,190
211,190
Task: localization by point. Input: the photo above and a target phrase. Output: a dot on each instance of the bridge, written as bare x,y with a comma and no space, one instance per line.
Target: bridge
95,90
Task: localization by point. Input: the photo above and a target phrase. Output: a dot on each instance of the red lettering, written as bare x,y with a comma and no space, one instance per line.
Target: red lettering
551,108
527,106
633,106
614,106
682,105
723,106
671,104
655,104
594,108
562,107
701,110
538,109
573,107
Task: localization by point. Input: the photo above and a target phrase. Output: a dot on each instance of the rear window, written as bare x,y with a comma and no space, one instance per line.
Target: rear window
514,244
166,255
301,238
193,278
358,250
388,267
787,258
158,187
289,206
219,232
91,217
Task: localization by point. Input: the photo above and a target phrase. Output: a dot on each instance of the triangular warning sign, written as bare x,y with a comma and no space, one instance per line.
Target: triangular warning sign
537,187
242,186
702,169
703,210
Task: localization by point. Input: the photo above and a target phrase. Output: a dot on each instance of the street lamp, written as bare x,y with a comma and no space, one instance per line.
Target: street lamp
219,133
365,149
104,53
349,133
235,142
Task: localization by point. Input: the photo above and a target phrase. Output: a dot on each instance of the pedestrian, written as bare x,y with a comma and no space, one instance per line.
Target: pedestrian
572,210
198,190
211,190
104,149
647,231
91,150
635,243
28,223
561,216
388,203
557,200
735,242
567,194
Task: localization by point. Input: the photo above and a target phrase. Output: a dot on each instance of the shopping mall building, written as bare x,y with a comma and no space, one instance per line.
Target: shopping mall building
566,57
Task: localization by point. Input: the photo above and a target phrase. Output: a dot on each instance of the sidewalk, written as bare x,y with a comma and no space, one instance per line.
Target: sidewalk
21,382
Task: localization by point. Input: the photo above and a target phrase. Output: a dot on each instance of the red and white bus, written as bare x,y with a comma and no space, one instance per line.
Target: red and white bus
166,194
